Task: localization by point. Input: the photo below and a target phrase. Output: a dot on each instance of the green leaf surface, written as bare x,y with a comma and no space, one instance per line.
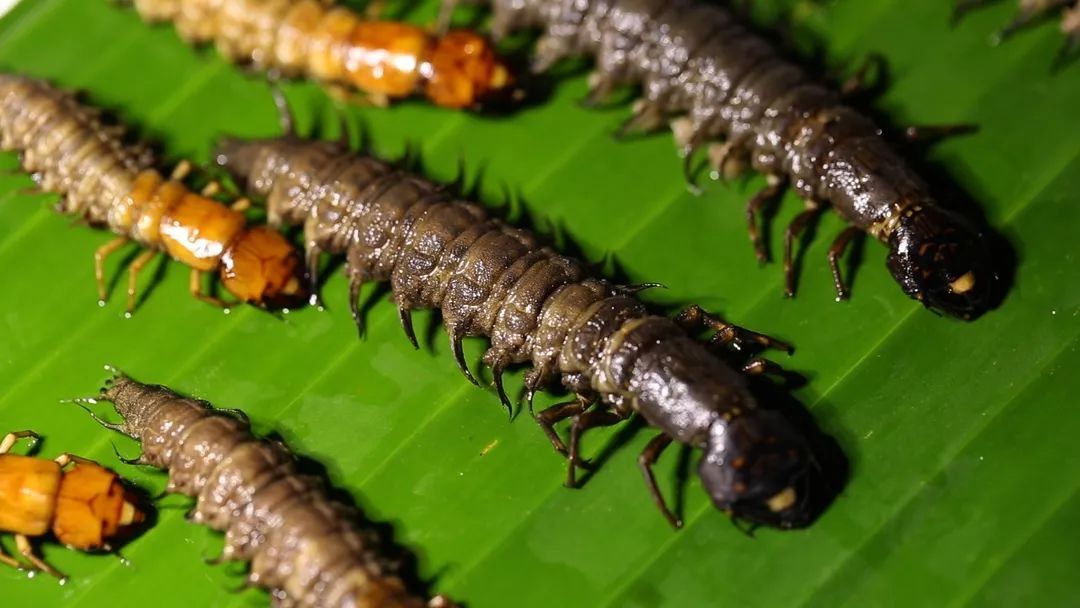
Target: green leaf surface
962,436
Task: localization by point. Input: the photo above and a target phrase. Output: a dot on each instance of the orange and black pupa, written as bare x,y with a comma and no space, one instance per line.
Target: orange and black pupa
112,184
383,60
75,501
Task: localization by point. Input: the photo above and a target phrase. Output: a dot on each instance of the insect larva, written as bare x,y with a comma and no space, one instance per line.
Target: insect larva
490,279
383,59
80,503
304,547
714,80
1030,11
112,184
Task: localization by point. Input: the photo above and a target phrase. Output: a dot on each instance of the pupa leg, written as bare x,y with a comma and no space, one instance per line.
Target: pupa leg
133,276
694,318
794,229
65,459
836,251
548,418
582,423
9,440
196,289
7,560
646,460
99,263
181,170
771,192
27,551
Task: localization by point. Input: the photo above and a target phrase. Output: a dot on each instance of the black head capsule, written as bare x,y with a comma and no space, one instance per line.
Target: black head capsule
758,467
942,261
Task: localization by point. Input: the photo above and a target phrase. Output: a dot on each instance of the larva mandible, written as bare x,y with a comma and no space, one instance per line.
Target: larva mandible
715,80
78,502
303,546
383,59
112,184
490,279
1030,11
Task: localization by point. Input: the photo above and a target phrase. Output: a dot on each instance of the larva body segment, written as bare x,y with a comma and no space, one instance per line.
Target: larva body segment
534,305
714,80
305,548
112,184
383,59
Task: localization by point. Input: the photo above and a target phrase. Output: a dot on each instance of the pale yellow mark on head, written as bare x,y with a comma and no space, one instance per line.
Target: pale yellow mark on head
128,514
782,500
964,283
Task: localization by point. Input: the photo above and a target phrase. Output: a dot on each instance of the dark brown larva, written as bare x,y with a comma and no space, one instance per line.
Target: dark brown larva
490,279
305,547
715,80
1030,11
112,184
383,59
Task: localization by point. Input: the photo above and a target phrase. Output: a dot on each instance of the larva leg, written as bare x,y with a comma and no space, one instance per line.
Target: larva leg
582,423
600,88
794,229
355,283
27,551
1029,11
965,6
648,116
836,251
858,82
459,355
646,460
727,334
929,134
9,440
557,413
769,194
727,160
196,289
99,263
759,366
133,276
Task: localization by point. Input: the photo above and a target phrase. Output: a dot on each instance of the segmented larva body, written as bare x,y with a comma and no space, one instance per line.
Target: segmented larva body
113,184
384,59
304,547
715,80
536,306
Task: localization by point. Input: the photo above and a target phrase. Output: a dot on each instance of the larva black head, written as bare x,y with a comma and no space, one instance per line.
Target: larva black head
758,468
942,261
